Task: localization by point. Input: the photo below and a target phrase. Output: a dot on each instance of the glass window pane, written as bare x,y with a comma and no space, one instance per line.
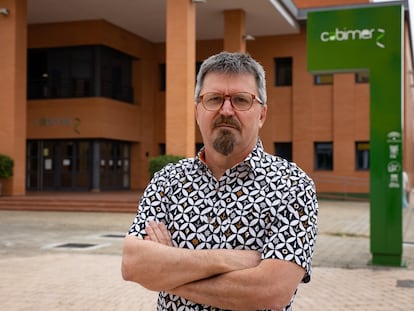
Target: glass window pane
323,156
163,77
69,72
323,79
116,74
37,74
362,77
283,71
362,155
284,150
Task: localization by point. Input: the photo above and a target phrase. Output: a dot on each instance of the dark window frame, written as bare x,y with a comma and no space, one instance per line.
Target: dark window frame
323,156
284,150
162,71
283,71
323,79
78,72
362,77
362,155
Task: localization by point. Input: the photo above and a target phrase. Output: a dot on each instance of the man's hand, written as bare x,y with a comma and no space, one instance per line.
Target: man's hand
158,232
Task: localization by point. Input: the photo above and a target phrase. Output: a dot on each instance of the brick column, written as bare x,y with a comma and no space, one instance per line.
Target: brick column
180,62
13,94
234,31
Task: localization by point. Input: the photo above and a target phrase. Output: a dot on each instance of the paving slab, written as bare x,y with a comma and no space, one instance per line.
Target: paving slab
71,261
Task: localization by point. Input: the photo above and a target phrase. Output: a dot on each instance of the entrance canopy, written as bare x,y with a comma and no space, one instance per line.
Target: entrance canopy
148,19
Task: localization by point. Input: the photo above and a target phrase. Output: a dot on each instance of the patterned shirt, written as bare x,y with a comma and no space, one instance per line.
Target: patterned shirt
264,203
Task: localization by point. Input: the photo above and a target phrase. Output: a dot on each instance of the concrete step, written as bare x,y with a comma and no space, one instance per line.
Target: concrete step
71,202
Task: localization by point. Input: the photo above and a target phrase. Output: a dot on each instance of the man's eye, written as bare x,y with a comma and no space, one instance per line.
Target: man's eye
215,99
240,99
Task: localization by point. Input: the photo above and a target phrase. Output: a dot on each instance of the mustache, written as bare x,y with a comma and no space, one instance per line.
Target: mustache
223,120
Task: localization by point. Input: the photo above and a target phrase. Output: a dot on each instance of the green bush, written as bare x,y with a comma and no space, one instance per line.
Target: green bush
157,163
6,166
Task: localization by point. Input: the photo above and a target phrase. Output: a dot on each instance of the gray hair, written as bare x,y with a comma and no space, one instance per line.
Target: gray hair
226,62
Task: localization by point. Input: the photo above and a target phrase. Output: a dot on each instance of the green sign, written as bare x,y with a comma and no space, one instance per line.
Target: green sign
371,38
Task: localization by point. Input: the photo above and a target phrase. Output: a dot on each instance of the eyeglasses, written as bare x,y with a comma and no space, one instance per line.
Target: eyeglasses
241,101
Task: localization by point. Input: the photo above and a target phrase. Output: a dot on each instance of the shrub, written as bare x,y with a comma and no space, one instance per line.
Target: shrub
6,166
157,163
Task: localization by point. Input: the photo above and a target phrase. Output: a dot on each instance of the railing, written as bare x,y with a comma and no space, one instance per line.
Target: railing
75,88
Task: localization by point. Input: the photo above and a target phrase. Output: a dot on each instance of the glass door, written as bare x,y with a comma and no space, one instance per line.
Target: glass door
74,165
114,165
58,165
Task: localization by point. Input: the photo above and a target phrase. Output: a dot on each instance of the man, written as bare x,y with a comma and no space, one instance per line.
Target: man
235,227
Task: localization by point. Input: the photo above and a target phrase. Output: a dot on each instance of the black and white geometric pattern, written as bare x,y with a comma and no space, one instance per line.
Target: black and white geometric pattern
264,203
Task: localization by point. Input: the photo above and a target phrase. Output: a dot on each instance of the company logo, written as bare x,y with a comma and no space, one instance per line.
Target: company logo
75,123
376,35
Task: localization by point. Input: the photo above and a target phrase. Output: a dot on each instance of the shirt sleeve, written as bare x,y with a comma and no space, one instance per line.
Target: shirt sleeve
293,233
151,205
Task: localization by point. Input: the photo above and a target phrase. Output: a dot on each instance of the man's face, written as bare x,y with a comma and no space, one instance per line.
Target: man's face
228,130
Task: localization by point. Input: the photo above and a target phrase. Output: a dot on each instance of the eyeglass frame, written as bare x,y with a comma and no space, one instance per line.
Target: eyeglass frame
229,96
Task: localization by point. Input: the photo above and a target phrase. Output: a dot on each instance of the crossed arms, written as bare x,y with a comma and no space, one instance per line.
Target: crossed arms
225,278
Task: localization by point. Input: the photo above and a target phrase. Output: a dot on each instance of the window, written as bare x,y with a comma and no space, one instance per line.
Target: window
323,156
162,148
284,150
323,79
163,76
362,155
283,70
82,71
115,74
59,72
362,77
197,67
37,74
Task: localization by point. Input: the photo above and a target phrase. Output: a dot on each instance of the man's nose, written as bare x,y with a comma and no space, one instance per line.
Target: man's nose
227,106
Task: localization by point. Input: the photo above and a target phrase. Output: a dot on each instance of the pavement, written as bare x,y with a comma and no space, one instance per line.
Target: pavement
71,261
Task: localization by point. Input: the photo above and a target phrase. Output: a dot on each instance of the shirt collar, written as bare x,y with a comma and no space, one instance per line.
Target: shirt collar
252,160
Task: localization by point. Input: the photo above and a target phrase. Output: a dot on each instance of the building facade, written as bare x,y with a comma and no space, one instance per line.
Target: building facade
85,103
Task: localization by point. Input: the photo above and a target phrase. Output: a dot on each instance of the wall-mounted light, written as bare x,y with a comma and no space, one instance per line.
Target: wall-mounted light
199,1
4,11
248,38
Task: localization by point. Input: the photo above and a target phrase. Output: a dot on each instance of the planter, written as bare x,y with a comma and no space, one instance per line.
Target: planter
157,163
6,166
6,169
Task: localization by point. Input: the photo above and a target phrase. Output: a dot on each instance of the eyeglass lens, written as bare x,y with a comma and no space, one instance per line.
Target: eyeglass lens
239,101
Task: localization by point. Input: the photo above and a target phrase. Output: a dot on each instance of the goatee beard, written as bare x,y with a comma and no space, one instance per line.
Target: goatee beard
224,143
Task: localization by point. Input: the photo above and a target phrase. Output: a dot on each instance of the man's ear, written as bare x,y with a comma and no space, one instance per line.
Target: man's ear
262,116
196,112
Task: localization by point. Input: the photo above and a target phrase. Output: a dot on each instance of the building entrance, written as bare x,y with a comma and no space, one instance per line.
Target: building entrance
77,165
